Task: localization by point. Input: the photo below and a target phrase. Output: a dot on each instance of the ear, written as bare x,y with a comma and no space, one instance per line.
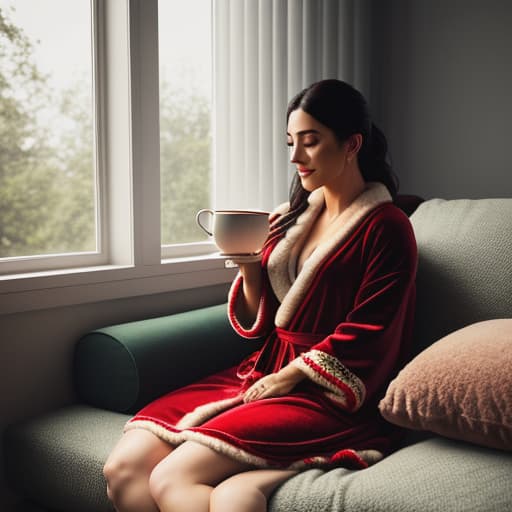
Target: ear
353,144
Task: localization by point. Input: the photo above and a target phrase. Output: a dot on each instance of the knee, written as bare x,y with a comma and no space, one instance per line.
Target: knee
234,494
115,469
112,473
119,473
163,485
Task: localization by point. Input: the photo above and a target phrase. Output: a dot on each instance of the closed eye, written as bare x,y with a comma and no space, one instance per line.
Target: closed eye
305,144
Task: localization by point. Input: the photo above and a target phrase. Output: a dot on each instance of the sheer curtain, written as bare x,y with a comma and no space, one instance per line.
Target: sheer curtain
265,51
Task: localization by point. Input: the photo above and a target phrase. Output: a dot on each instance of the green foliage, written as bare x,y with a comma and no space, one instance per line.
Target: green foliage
72,225
24,185
45,185
184,163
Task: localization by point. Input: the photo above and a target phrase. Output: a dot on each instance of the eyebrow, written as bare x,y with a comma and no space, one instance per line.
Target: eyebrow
304,132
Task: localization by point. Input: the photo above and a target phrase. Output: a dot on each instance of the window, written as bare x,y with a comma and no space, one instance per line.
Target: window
94,202
184,32
48,174
127,258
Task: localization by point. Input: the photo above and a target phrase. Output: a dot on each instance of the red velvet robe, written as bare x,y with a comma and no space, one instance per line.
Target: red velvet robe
345,320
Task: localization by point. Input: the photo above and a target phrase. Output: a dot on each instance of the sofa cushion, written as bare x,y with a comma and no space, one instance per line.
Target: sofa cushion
437,475
56,460
459,387
465,265
125,366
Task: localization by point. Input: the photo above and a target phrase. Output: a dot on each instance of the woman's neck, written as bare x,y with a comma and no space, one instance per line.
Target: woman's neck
341,194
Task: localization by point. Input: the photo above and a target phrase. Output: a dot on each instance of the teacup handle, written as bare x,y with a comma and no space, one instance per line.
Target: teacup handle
200,213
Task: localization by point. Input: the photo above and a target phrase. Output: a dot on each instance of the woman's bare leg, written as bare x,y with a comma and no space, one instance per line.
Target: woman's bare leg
128,468
184,480
249,491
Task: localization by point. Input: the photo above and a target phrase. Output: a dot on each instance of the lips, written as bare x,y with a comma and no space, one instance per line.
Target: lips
304,173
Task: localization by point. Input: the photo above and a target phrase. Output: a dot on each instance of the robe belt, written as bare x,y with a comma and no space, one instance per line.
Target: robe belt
299,339
280,348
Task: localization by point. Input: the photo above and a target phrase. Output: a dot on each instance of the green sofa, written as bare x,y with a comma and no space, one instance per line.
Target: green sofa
464,276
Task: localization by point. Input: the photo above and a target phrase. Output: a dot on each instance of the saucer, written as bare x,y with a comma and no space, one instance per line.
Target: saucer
233,259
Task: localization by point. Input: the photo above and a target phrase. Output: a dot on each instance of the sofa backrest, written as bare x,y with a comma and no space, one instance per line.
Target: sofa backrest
464,267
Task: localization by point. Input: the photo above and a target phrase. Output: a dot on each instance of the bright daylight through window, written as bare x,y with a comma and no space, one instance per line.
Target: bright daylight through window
185,116
48,202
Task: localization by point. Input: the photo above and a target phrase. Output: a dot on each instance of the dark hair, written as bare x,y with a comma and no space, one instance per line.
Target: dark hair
344,110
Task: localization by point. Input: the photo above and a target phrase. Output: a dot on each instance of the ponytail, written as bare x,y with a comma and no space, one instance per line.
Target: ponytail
373,160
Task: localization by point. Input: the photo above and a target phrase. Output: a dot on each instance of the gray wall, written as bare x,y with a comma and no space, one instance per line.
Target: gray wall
441,82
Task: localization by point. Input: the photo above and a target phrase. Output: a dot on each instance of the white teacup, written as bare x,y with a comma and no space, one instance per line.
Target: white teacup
236,232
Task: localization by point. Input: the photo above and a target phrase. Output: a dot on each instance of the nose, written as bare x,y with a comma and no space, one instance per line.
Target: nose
296,154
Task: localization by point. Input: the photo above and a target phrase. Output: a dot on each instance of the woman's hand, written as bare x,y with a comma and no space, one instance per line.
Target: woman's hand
275,384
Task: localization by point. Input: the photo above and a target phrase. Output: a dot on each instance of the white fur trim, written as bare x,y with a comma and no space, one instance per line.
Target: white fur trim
204,412
370,456
282,262
279,260
173,438
177,438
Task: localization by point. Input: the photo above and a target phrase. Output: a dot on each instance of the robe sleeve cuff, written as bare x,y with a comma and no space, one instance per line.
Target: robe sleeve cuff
257,329
342,386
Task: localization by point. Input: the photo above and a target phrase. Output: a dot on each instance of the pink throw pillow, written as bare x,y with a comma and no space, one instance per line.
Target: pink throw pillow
459,387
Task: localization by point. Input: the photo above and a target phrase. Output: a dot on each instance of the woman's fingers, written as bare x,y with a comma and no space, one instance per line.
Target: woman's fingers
252,394
275,384
258,390
266,387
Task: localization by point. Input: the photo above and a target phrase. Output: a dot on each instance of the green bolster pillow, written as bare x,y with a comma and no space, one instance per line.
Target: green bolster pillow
123,367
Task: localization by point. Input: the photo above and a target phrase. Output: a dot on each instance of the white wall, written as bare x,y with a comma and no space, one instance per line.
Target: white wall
441,82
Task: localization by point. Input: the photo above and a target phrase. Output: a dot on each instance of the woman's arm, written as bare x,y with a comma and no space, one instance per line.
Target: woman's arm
251,302
249,299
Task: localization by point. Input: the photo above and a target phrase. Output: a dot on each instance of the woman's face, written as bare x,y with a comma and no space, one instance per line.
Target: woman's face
319,157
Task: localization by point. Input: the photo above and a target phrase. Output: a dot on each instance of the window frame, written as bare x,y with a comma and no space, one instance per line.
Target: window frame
133,262
40,262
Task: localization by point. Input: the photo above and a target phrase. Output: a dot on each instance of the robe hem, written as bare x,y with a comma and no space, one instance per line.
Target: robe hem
348,458
177,438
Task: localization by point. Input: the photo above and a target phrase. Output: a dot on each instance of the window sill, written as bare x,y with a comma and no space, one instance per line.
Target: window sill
42,290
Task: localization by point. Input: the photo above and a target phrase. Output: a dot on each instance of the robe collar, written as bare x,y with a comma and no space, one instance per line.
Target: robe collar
290,288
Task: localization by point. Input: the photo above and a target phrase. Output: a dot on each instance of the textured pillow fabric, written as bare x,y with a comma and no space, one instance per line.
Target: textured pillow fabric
464,267
460,387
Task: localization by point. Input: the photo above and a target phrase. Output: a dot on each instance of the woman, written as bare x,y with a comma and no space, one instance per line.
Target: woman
334,297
